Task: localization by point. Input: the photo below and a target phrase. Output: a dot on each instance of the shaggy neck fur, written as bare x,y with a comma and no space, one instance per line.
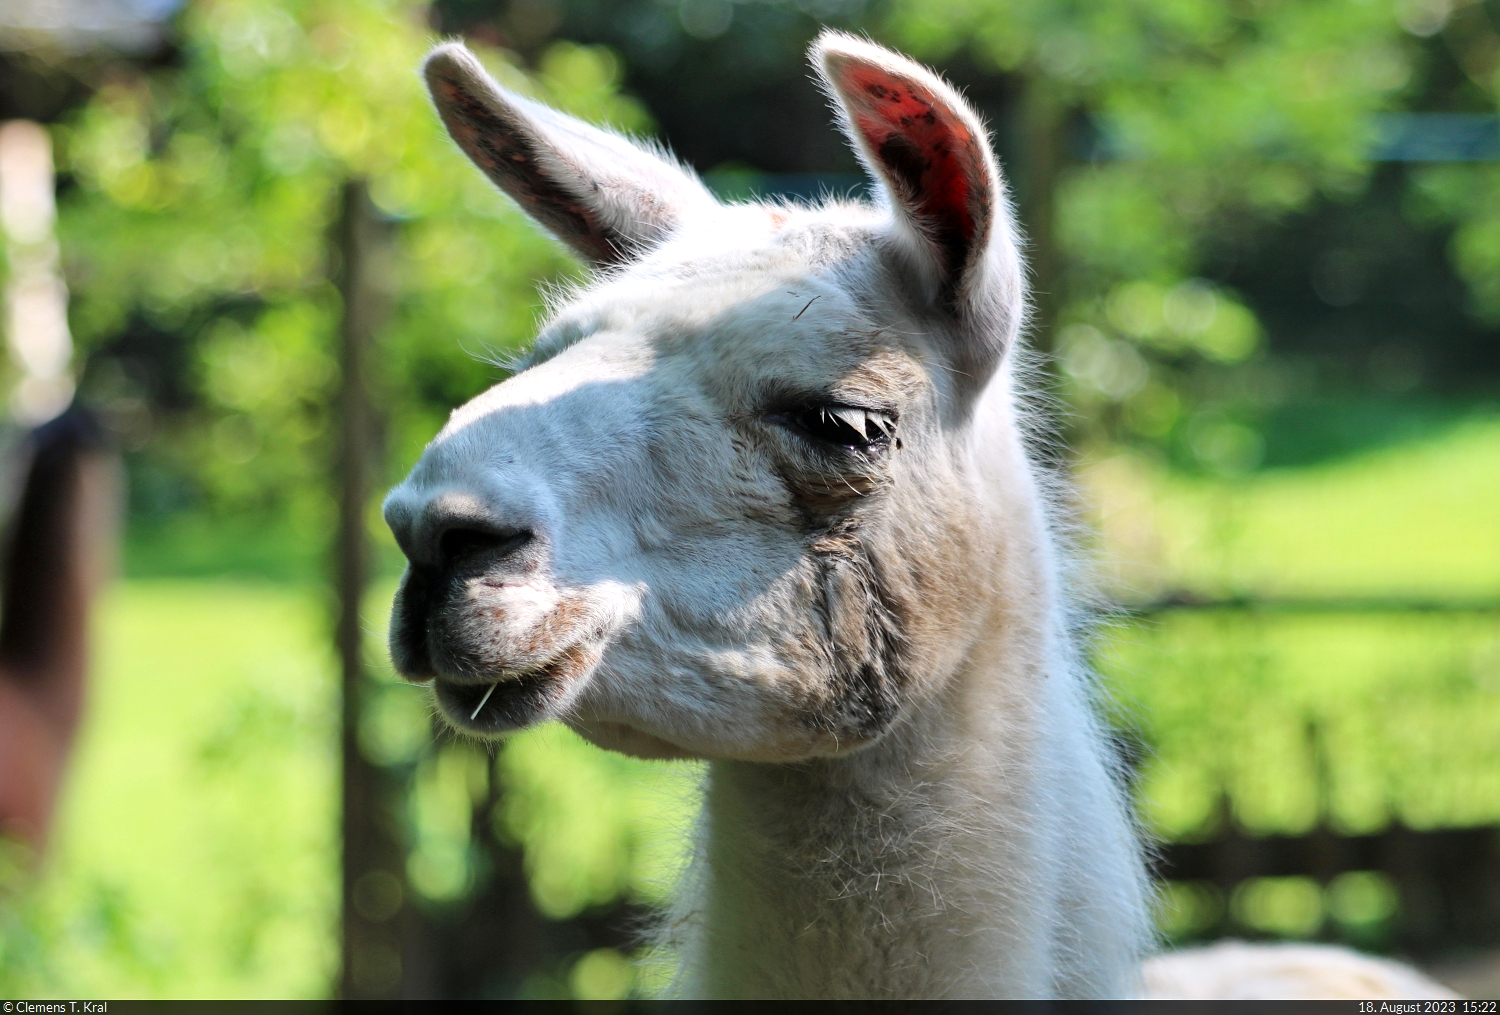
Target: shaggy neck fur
981,848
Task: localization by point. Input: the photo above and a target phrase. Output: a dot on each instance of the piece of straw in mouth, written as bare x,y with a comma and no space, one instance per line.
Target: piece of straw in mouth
475,714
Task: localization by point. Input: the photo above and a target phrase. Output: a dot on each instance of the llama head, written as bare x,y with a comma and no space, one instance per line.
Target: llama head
728,506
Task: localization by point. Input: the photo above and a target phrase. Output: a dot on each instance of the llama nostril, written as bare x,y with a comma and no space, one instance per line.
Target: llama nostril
458,544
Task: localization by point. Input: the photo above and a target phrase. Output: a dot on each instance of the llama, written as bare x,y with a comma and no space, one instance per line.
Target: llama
759,494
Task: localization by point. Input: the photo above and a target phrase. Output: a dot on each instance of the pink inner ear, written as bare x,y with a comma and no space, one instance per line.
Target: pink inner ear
932,157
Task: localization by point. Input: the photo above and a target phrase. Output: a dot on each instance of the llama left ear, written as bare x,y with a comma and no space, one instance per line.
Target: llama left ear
605,197
929,152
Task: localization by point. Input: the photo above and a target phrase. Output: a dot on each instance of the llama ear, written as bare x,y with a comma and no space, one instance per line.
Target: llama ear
928,151
597,192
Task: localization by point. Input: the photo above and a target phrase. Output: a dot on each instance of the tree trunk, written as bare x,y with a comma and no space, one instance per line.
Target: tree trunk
374,906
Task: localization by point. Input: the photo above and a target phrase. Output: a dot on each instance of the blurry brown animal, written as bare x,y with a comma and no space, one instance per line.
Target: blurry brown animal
57,549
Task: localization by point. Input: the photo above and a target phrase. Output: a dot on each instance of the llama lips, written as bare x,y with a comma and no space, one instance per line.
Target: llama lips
502,706
517,699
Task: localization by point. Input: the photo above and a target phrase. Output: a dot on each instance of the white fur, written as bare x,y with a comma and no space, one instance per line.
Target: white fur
1236,971
645,534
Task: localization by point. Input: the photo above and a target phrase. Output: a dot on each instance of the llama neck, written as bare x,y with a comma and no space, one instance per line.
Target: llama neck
980,850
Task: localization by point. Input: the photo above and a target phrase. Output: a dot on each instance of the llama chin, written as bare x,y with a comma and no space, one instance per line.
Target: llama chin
760,495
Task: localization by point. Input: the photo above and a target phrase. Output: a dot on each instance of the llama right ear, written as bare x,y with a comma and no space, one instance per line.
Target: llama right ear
927,150
600,194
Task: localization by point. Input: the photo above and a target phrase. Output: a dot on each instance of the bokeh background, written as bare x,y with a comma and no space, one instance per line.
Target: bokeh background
1266,239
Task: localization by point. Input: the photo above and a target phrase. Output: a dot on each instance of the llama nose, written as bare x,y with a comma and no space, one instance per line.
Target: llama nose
448,532
466,541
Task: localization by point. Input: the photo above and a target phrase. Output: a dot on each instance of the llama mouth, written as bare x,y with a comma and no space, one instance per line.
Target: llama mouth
514,700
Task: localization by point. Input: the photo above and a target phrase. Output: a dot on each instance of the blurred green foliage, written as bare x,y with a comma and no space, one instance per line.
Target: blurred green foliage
1206,124
200,217
596,827
1219,108
1357,720
197,853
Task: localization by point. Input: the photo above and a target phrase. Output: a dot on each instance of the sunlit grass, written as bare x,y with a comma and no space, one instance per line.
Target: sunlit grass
1417,520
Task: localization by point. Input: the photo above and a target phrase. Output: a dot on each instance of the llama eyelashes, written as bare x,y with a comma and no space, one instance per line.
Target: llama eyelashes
874,425
848,426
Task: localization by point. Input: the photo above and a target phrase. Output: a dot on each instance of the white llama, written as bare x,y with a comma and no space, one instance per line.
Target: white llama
759,495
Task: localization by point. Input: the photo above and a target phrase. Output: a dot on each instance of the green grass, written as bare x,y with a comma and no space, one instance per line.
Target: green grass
1419,519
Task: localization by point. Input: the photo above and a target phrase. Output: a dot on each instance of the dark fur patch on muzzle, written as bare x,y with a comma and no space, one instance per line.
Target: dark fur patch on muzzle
408,635
865,640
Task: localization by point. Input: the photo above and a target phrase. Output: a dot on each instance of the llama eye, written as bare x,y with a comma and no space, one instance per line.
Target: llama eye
846,425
